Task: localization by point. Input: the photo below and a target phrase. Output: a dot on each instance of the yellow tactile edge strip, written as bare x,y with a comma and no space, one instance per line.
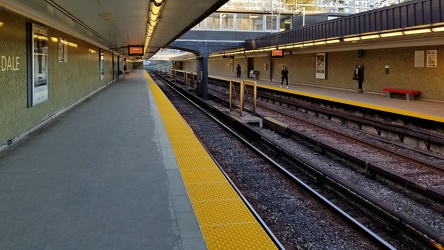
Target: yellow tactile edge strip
225,221
364,105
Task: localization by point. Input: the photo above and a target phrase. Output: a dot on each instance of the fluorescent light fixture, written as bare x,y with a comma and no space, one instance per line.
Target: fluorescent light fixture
153,17
397,33
308,44
1,24
281,47
254,16
319,43
370,36
72,45
349,39
39,37
420,31
333,41
297,45
436,29
54,39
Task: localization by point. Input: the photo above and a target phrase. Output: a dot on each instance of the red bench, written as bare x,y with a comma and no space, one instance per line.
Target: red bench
409,93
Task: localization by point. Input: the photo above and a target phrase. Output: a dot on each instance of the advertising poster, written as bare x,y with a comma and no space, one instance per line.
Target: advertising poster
432,58
321,65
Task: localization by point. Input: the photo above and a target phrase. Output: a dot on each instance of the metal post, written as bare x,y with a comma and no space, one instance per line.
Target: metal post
241,103
303,16
231,95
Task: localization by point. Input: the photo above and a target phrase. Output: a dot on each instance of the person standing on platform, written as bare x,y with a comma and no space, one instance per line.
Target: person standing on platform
284,73
238,71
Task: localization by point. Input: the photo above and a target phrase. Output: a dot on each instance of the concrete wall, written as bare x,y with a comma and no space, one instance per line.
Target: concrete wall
340,68
189,65
68,82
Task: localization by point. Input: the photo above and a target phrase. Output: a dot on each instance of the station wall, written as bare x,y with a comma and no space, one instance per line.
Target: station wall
68,81
402,72
340,66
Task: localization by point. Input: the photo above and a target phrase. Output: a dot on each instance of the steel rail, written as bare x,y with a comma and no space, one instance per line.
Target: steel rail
420,231
352,221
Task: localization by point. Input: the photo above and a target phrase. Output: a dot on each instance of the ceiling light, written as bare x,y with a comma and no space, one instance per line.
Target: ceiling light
420,31
349,39
436,29
333,41
54,39
153,17
1,24
319,43
297,45
398,33
254,16
307,44
370,36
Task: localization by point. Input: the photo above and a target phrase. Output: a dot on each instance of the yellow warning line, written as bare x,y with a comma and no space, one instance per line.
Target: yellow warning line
225,221
363,105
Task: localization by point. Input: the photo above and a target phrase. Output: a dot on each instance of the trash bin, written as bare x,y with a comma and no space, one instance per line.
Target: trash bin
254,74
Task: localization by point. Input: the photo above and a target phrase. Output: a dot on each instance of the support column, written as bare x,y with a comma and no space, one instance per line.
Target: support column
202,50
202,75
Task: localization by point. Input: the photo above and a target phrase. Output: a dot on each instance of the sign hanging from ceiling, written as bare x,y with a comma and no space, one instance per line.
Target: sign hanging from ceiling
135,50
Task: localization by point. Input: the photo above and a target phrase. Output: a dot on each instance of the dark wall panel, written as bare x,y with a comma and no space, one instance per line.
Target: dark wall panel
418,12
377,20
427,12
436,10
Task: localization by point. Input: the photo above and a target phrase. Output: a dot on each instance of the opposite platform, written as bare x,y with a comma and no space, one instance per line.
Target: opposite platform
101,176
429,110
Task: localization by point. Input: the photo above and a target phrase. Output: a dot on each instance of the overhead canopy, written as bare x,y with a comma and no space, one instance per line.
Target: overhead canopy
115,25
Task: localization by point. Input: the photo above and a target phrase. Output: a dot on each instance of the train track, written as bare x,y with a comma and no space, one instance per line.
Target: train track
426,136
415,172
344,187
399,167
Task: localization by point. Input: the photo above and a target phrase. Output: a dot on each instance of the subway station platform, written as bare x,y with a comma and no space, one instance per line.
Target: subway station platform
429,110
122,170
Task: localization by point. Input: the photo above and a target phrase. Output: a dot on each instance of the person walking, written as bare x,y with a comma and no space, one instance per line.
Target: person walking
284,73
238,71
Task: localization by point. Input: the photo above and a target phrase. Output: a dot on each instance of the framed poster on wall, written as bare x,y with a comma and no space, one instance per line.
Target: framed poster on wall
38,54
321,66
432,58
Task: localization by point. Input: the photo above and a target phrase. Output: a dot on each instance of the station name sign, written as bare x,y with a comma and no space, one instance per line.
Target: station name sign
9,63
